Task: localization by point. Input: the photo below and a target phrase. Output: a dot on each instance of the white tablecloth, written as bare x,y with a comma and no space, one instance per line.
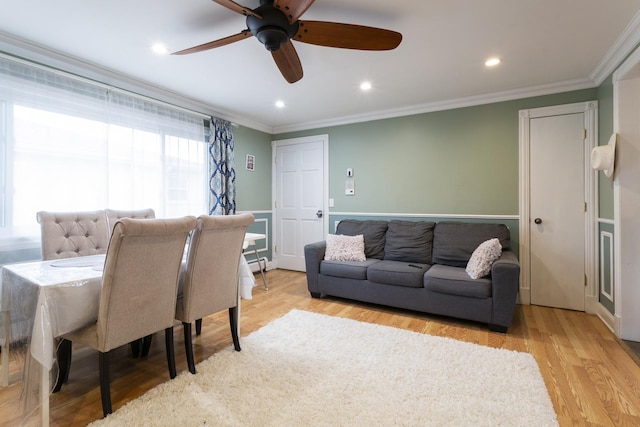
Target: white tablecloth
67,298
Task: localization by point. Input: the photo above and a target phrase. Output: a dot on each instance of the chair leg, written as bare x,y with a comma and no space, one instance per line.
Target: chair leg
188,346
105,387
64,363
136,348
233,323
171,356
146,345
198,327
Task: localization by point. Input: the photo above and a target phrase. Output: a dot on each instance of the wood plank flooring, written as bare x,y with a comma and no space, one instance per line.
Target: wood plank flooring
593,380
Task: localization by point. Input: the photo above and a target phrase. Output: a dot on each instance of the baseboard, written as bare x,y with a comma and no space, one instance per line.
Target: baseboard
255,266
607,318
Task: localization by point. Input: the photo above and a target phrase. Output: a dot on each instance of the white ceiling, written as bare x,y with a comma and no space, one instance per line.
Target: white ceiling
546,45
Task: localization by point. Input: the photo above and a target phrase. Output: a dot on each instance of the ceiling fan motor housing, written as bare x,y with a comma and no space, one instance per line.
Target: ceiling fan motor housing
274,29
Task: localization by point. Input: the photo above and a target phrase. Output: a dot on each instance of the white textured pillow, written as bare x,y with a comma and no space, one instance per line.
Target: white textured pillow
345,248
483,257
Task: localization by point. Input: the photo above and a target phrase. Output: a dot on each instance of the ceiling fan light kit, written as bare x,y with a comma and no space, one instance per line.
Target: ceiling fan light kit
276,22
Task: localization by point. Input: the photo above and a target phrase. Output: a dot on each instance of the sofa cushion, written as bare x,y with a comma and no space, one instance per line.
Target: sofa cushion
347,269
445,279
454,242
409,241
344,248
397,273
373,231
483,258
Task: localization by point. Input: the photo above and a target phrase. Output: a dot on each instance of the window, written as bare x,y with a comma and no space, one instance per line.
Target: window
68,144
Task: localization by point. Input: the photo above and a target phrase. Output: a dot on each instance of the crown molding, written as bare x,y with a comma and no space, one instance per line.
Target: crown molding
490,98
623,46
33,52
26,50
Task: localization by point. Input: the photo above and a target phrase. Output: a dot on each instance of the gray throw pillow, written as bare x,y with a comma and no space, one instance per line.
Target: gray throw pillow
455,241
374,233
409,241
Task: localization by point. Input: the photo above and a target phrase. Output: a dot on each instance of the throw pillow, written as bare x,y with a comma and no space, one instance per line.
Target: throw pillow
345,248
374,233
409,241
483,257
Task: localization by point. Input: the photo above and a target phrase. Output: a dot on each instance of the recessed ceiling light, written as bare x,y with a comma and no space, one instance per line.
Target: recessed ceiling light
160,49
365,86
280,104
492,62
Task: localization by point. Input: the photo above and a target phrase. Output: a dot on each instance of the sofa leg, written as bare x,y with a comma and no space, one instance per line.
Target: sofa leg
315,294
498,328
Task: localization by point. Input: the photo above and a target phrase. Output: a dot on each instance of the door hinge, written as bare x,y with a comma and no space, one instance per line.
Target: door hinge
275,249
275,204
585,206
584,134
585,280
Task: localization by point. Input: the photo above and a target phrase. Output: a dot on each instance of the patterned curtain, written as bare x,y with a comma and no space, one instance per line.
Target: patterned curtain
222,169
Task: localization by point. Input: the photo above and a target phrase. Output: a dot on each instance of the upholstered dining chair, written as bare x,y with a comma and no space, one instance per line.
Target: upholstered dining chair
73,234
210,282
139,347
138,297
113,215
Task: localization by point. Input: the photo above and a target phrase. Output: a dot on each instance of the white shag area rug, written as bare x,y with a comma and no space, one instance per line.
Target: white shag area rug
308,369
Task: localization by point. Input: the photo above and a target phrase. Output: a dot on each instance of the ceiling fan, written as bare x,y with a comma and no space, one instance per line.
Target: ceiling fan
276,22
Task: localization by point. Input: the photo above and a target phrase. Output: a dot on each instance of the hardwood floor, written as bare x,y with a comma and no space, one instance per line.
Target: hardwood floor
593,380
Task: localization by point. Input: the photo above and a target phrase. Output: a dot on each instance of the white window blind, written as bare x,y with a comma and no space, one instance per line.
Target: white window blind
69,144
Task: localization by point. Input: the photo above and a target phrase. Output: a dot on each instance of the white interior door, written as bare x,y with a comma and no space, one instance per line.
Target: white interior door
557,211
300,194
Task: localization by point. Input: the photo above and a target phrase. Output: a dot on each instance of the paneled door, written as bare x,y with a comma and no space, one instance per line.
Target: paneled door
300,198
558,211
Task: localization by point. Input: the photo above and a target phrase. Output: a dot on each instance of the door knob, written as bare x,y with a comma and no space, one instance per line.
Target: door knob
537,221
319,214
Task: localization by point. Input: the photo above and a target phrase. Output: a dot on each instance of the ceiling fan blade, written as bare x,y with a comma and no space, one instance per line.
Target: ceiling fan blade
229,4
288,62
347,36
216,43
293,8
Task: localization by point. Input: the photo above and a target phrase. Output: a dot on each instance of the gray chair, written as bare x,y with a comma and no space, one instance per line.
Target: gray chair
138,297
73,234
210,281
113,215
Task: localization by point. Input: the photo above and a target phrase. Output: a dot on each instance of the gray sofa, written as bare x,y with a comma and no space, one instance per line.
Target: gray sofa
420,265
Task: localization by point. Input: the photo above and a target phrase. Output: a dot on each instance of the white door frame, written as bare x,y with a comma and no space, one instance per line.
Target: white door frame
590,110
325,191
626,107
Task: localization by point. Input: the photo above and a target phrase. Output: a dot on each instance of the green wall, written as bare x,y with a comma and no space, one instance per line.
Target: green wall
605,129
461,162
253,187
456,162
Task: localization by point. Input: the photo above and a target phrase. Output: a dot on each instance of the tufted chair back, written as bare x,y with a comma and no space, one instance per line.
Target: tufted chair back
113,215
72,234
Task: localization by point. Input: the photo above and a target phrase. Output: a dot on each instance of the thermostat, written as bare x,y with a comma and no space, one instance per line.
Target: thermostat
349,187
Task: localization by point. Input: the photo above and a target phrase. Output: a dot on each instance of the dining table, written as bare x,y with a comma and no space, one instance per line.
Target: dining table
43,300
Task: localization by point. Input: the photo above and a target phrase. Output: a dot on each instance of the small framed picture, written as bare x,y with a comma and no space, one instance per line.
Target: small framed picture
251,160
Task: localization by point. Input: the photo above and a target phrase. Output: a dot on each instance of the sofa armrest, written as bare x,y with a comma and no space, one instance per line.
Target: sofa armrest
505,276
313,255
